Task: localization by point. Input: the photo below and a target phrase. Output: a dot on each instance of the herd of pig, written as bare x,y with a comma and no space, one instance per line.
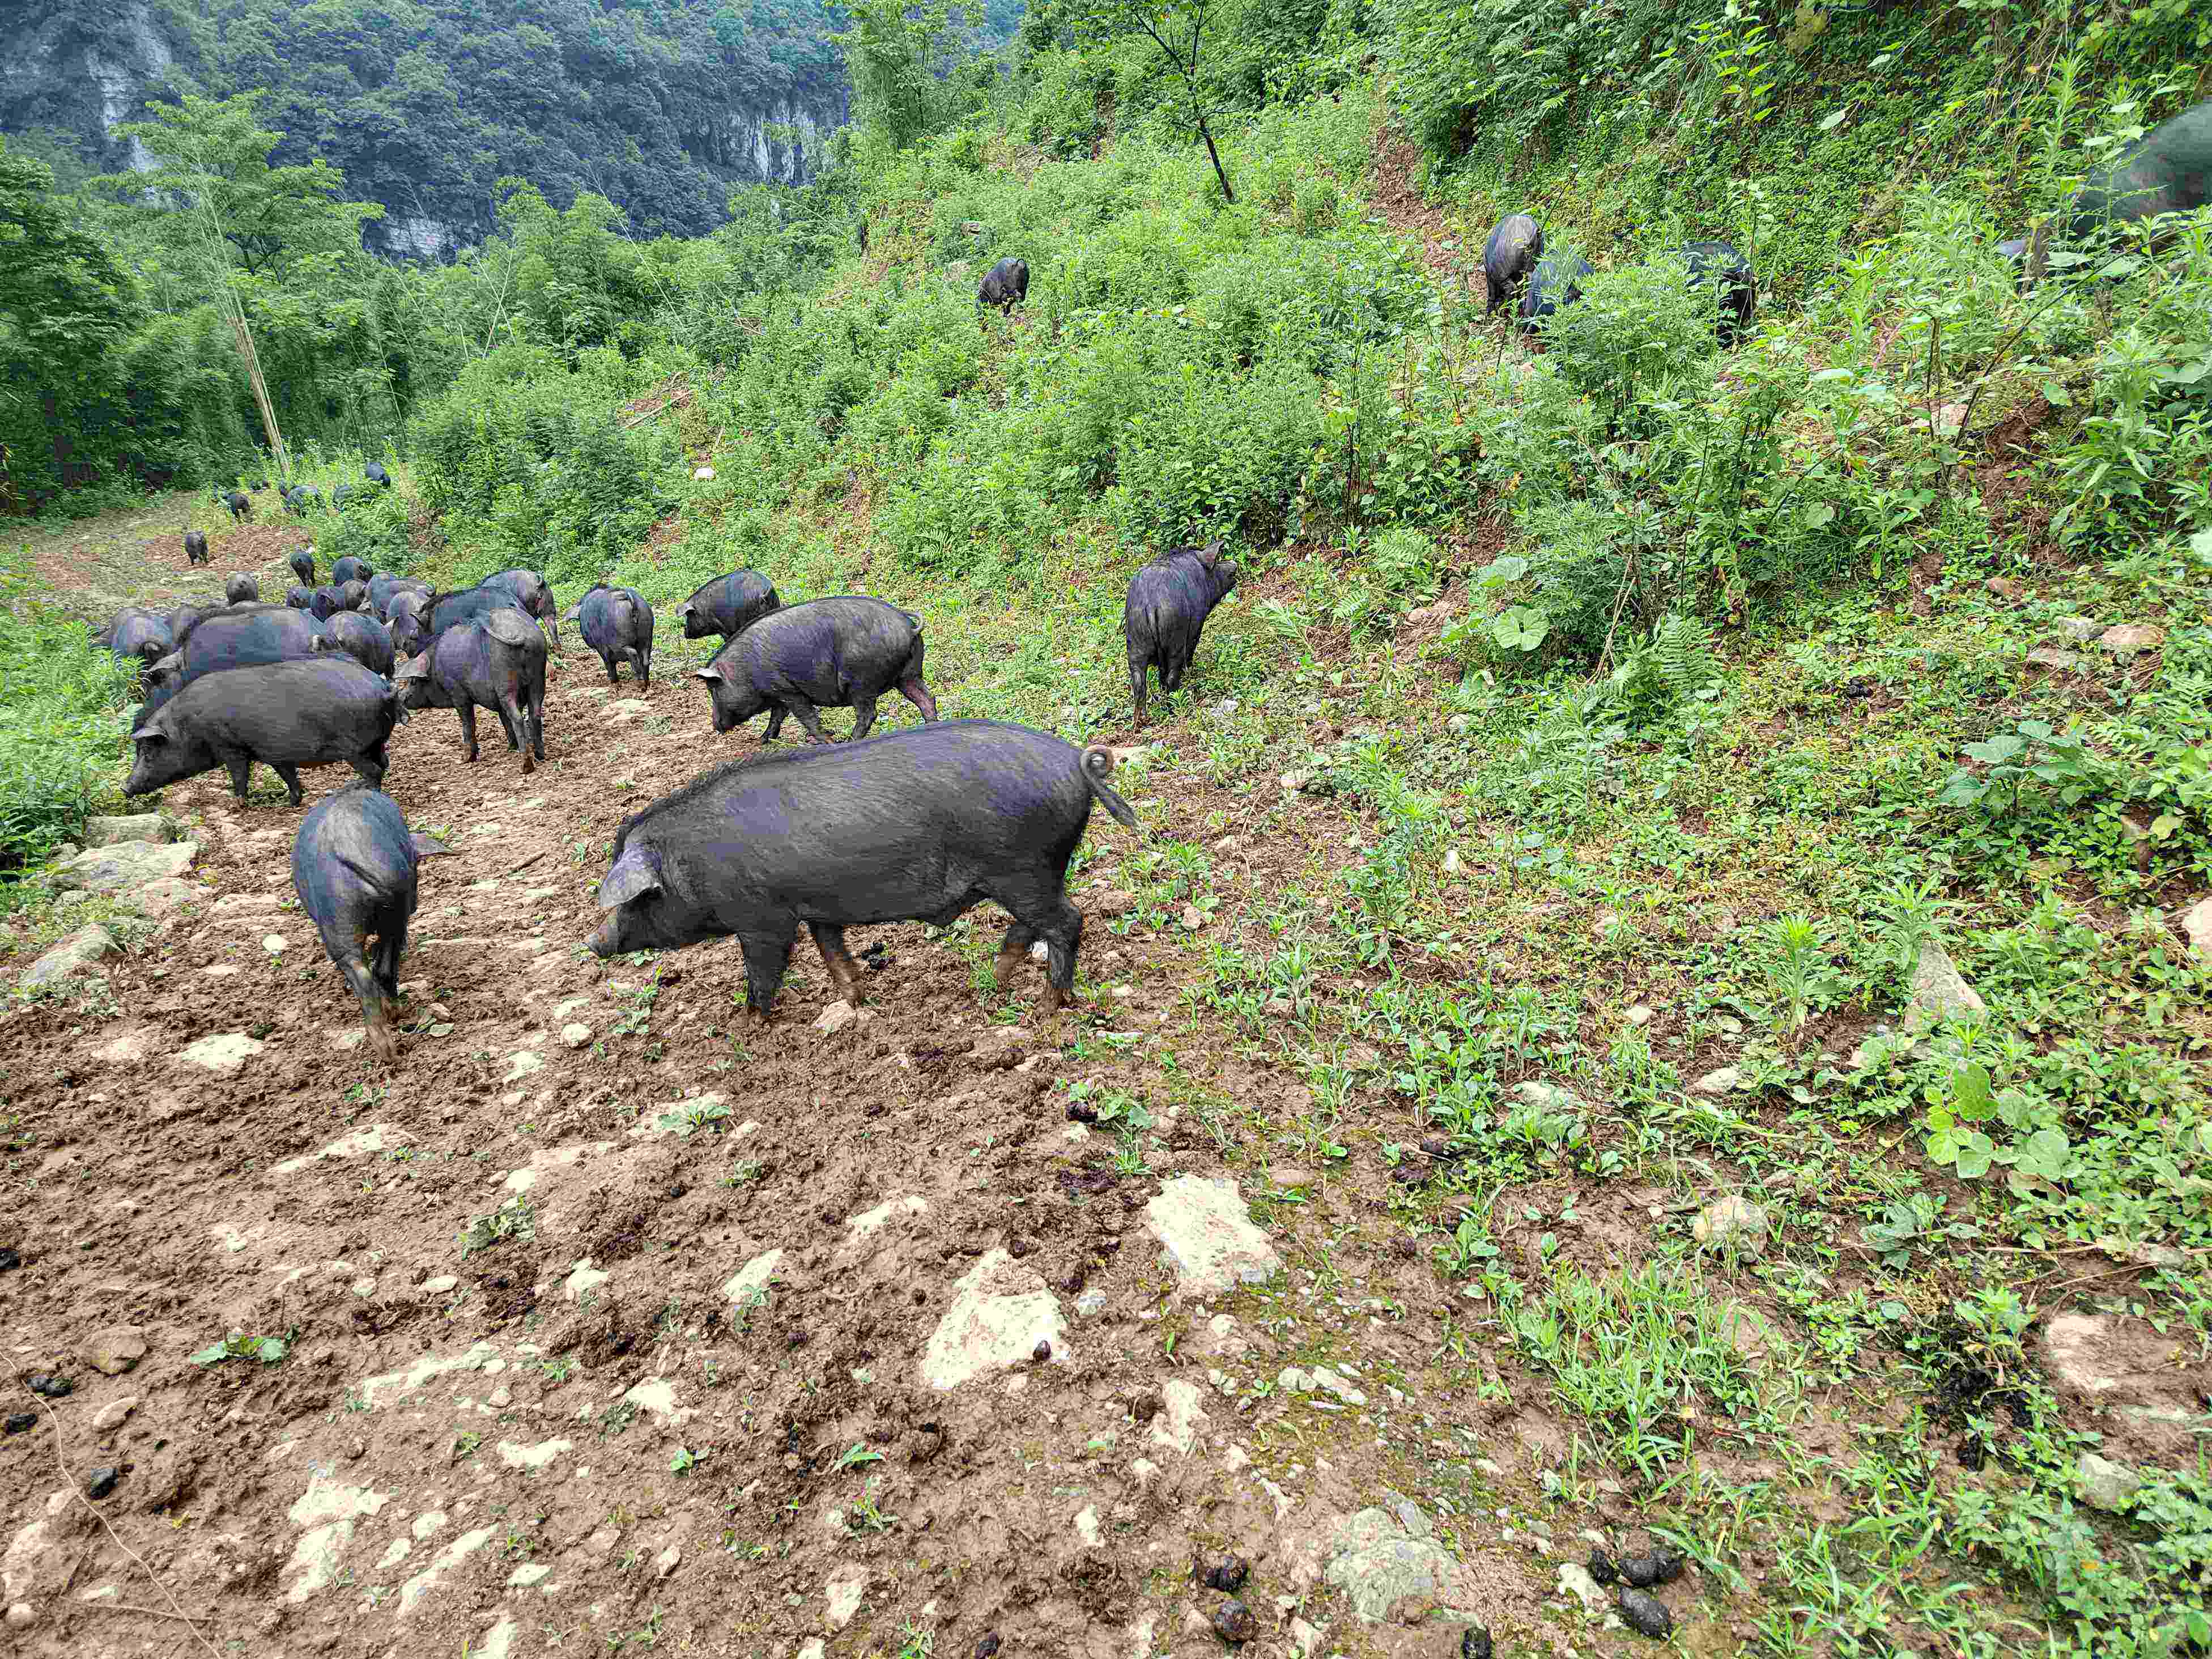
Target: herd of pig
920,824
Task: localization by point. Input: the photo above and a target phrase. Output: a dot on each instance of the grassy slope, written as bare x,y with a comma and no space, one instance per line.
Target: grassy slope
1494,891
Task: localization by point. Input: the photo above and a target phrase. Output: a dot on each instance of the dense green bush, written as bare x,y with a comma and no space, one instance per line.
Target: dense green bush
62,715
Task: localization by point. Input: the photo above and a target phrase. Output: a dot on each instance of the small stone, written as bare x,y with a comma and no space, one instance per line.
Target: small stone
2127,639
2058,661
1475,1644
1206,1236
702,475
54,1388
1193,918
2005,588
2104,1485
576,1034
1090,1303
2196,923
1645,1613
224,1053
125,865
1940,991
148,827
2080,629
115,1351
1115,901
1638,1015
113,1415
20,1615
1718,1083
1234,1624
835,1017
273,942
666,1562
1227,1575
1735,1227
71,957
101,1481
1576,1581
20,1422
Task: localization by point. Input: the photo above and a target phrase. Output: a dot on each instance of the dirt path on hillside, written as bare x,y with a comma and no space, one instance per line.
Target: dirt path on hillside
604,1320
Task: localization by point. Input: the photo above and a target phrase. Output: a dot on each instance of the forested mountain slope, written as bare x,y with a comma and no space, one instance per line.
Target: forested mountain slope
424,107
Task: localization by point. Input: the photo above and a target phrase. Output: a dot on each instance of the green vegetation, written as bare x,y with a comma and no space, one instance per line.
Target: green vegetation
1617,876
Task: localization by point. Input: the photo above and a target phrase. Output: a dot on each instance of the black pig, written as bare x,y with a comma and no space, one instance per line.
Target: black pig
919,825
1555,284
728,605
494,660
240,505
241,589
351,569
1719,273
843,651
354,865
1508,256
363,638
141,638
1006,285
284,715
618,623
196,549
299,598
1169,602
532,595
303,565
245,638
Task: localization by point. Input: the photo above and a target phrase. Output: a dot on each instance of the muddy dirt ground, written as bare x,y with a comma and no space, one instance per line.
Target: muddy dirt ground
607,1324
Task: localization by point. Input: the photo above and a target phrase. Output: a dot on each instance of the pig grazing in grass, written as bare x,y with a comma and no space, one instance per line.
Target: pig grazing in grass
1169,602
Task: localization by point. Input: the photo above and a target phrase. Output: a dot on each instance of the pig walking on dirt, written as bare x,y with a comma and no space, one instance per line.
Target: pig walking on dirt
618,623
284,715
495,661
195,547
1555,284
728,606
362,637
1169,602
248,637
354,865
919,825
1006,285
843,651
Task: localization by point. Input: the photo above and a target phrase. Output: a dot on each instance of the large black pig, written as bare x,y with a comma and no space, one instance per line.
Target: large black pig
246,637
407,613
195,547
284,715
2168,170
618,623
354,865
1006,285
919,825
1169,602
141,639
1508,256
1555,284
843,651
728,605
495,661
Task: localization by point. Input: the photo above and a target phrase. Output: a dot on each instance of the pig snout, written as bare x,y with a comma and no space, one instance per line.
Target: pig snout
606,939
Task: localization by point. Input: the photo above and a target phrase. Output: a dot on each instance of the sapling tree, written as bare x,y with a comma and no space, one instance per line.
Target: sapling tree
1177,29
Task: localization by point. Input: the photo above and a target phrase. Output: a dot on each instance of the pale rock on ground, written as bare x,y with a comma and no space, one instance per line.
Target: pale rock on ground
224,1053
1383,1566
79,951
1000,1312
1940,991
125,865
148,827
2104,1485
1733,1226
1206,1236
2196,923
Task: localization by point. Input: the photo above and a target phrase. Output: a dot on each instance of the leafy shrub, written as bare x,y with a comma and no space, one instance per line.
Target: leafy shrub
62,708
1633,331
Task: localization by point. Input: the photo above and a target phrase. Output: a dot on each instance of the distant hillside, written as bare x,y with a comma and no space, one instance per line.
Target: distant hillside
661,106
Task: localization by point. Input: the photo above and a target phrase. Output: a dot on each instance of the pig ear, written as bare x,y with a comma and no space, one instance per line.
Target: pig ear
1210,555
711,674
508,626
430,847
633,876
415,668
572,613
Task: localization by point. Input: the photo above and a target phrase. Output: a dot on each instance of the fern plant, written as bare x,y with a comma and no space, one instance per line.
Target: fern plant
1675,666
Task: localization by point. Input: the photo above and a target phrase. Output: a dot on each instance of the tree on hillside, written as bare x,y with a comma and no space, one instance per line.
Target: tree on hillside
1177,30
64,306
900,56
214,158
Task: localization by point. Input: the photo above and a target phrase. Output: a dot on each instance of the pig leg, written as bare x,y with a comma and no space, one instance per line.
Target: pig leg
774,722
844,972
1041,910
536,707
509,710
467,711
1011,950
347,942
866,709
241,768
767,957
291,776
1140,663
916,693
608,658
803,713
643,661
391,941
1062,934
372,764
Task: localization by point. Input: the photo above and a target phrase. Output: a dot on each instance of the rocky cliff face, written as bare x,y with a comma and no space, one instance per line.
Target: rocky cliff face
77,70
